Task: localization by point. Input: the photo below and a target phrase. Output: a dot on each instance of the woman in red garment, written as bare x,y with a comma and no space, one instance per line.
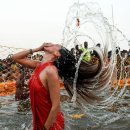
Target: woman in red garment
44,87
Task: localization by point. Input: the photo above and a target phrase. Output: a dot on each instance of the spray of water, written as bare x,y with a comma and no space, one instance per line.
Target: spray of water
85,22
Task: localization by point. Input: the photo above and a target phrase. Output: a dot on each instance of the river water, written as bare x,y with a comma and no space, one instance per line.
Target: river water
16,115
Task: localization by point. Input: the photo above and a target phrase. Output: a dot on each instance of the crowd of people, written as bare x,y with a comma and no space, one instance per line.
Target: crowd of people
10,70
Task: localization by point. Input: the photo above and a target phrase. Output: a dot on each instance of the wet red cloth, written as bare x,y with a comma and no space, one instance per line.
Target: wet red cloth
41,103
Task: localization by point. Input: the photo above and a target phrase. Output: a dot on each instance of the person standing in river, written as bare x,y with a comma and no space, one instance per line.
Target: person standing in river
44,83
44,87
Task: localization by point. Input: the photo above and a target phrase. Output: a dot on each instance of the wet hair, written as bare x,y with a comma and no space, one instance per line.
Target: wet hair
66,65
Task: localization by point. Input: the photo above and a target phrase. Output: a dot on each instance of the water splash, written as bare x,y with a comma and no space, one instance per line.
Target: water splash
85,22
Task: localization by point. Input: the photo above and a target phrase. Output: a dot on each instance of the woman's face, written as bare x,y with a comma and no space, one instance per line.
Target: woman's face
52,48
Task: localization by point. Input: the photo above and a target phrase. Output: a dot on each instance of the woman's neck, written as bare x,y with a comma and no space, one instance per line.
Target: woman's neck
48,60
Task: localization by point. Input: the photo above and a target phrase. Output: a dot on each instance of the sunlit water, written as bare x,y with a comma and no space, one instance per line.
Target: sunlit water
86,22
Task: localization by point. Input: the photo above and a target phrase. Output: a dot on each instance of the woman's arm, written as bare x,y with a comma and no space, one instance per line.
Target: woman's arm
20,57
54,90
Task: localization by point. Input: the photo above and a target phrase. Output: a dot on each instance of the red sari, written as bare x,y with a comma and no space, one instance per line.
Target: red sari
41,102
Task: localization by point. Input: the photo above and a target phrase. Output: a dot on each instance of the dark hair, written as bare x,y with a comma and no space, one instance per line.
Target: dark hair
66,65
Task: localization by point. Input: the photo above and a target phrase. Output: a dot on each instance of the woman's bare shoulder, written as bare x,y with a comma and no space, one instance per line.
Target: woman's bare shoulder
51,70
